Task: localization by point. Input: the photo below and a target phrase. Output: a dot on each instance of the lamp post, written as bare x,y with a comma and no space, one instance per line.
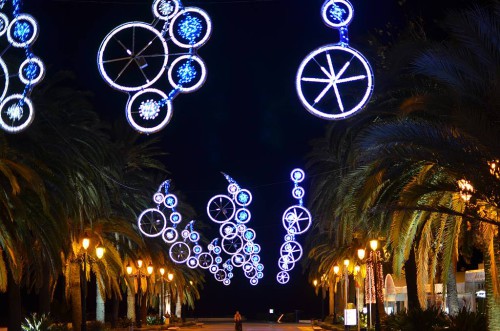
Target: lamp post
374,246
336,270
357,269
139,275
162,301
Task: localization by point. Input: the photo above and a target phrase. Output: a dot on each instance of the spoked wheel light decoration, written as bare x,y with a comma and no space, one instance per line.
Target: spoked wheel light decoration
21,31
238,241
136,56
296,220
335,81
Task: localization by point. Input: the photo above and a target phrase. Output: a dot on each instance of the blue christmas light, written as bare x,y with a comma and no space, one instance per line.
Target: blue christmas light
190,28
186,73
22,31
337,13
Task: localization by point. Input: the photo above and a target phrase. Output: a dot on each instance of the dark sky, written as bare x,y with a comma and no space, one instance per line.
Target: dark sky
246,120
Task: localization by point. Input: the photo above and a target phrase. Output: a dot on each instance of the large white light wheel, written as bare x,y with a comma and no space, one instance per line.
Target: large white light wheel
334,82
22,31
170,235
232,246
187,73
152,222
4,79
337,13
283,277
297,219
165,9
191,27
286,263
228,230
221,208
4,24
16,113
205,260
133,56
292,249
179,252
149,111
31,71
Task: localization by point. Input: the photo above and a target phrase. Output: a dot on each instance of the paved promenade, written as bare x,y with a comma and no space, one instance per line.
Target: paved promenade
252,327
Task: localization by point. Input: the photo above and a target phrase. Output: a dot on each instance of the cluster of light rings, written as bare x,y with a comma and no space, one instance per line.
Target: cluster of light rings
319,69
231,212
16,110
169,14
296,220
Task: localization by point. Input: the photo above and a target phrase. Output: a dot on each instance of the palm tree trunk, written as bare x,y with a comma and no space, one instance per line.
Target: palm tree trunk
75,296
115,311
411,280
451,289
130,305
178,307
45,292
331,298
143,312
492,302
99,304
15,306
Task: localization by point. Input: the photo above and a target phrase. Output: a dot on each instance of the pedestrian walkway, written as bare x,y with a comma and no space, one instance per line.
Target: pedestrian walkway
252,327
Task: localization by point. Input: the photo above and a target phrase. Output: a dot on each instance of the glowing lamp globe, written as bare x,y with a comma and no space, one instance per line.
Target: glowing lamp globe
361,253
129,269
150,269
85,243
336,269
374,244
99,252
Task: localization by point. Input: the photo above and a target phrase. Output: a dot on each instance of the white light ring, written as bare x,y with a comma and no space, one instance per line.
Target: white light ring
31,114
217,249
298,192
179,252
192,262
238,263
255,258
236,218
100,54
197,249
194,236
251,273
40,76
292,249
5,19
175,217
326,19
310,108
213,269
218,260
158,230
232,243
156,12
156,128
251,237
296,226
230,235
201,80
297,175
185,234
244,191
254,281
170,205
289,237
34,24
220,275
5,70
208,31
283,277
260,275
224,201
170,240
242,228
259,267
226,282
205,260
248,248
233,188
256,248
285,261
158,198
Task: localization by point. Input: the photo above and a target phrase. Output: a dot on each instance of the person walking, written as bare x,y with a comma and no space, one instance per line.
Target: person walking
238,326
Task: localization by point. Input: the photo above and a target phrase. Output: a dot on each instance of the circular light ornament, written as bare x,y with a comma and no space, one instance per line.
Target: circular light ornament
170,235
243,198
337,13
232,246
297,220
192,262
31,71
205,260
149,111
190,28
16,113
152,222
132,57
165,9
170,201
179,252
243,216
175,218
283,277
4,81
298,192
221,208
233,188
297,175
4,24
187,73
292,249
228,230
22,31
327,77
158,198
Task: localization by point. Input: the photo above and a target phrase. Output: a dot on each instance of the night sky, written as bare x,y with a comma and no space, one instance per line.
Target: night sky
246,120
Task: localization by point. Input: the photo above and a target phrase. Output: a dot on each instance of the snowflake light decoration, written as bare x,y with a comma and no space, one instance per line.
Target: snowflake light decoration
335,81
135,55
238,241
296,220
16,110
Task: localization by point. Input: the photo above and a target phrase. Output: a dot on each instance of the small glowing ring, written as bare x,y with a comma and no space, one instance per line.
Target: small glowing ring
158,230
282,263
184,252
34,35
233,188
196,86
213,269
170,196
175,217
217,249
220,275
242,228
38,78
256,248
157,13
100,54
185,234
158,198
283,277
197,249
297,175
194,237
192,262
296,226
226,282
207,33
203,260
298,192
241,203
235,262
252,231
218,260
23,125
240,211
254,281
231,235
171,240
5,20
6,77
293,248
154,129
326,19
248,248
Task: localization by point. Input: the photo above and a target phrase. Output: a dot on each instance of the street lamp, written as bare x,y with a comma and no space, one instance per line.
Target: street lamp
162,299
139,275
357,270
374,246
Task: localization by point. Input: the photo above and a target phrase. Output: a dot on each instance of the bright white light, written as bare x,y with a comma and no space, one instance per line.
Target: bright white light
12,113
283,277
158,198
35,64
4,24
292,249
297,175
133,110
165,9
199,13
243,198
170,201
5,78
199,78
297,220
170,235
346,17
221,208
23,26
179,252
152,222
